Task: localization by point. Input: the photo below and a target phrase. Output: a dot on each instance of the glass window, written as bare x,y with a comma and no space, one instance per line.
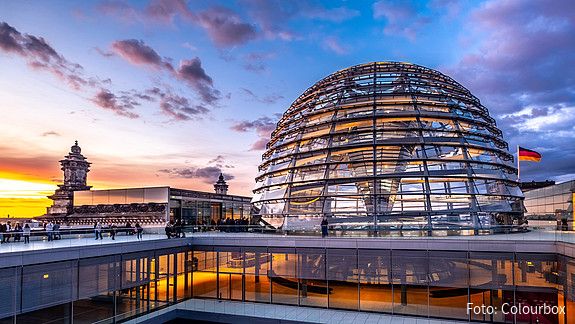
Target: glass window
410,279
313,288
448,284
342,278
135,196
117,196
374,272
156,195
100,197
536,271
49,284
283,276
82,198
205,274
257,283
9,296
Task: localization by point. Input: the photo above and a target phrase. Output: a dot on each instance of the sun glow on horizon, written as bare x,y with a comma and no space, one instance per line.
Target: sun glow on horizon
24,196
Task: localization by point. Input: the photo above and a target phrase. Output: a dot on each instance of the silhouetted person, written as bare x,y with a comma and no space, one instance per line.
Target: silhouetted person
17,232
113,229
56,229
3,232
26,230
168,230
139,231
7,233
324,227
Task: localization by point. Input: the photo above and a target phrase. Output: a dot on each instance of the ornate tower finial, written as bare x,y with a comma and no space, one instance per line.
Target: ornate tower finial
221,187
76,168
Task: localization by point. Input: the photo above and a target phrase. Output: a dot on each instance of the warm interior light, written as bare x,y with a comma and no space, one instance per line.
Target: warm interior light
46,276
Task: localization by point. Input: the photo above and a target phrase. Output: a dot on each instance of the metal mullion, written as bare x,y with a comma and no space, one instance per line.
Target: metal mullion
427,190
470,178
328,153
375,193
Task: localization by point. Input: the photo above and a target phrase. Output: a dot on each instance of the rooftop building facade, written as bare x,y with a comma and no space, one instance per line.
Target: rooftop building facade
388,144
76,204
553,202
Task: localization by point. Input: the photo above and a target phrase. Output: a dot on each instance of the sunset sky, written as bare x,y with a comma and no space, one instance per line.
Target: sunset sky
175,92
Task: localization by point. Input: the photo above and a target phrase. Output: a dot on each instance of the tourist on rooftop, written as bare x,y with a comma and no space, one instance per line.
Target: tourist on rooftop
50,231
7,232
113,229
56,230
139,231
2,231
17,232
169,229
26,231
98,230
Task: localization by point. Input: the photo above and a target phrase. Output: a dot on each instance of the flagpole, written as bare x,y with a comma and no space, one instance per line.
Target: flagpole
518,166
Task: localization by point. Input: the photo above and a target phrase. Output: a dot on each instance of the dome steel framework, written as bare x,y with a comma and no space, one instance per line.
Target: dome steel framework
387,143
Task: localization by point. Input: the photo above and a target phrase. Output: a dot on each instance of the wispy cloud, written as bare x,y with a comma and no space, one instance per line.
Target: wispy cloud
121,105
262,126
207,174
269,99
50,133
333,44
189,71
40,55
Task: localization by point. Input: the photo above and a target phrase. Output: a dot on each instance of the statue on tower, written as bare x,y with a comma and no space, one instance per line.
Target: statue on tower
221,187
75,168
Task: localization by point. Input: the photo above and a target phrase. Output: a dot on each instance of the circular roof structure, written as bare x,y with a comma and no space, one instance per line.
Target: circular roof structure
387,144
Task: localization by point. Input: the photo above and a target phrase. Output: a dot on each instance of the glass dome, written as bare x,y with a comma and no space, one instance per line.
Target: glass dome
387,144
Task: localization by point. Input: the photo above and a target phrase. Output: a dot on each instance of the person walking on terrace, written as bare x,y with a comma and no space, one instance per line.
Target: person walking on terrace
26,233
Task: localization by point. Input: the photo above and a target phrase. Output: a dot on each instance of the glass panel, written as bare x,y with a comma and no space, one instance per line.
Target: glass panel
134,196
100,197
313,288
48,284
117,196
342,278
156,195
536,270
283,277
10,284
448,284
82,198
204,277
410,279
374,270
257,283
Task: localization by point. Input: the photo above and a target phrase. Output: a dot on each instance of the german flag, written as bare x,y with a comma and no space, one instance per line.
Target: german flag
528,155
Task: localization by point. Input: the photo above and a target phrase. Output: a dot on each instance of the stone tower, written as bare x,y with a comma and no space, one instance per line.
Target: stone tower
221,187
75,169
